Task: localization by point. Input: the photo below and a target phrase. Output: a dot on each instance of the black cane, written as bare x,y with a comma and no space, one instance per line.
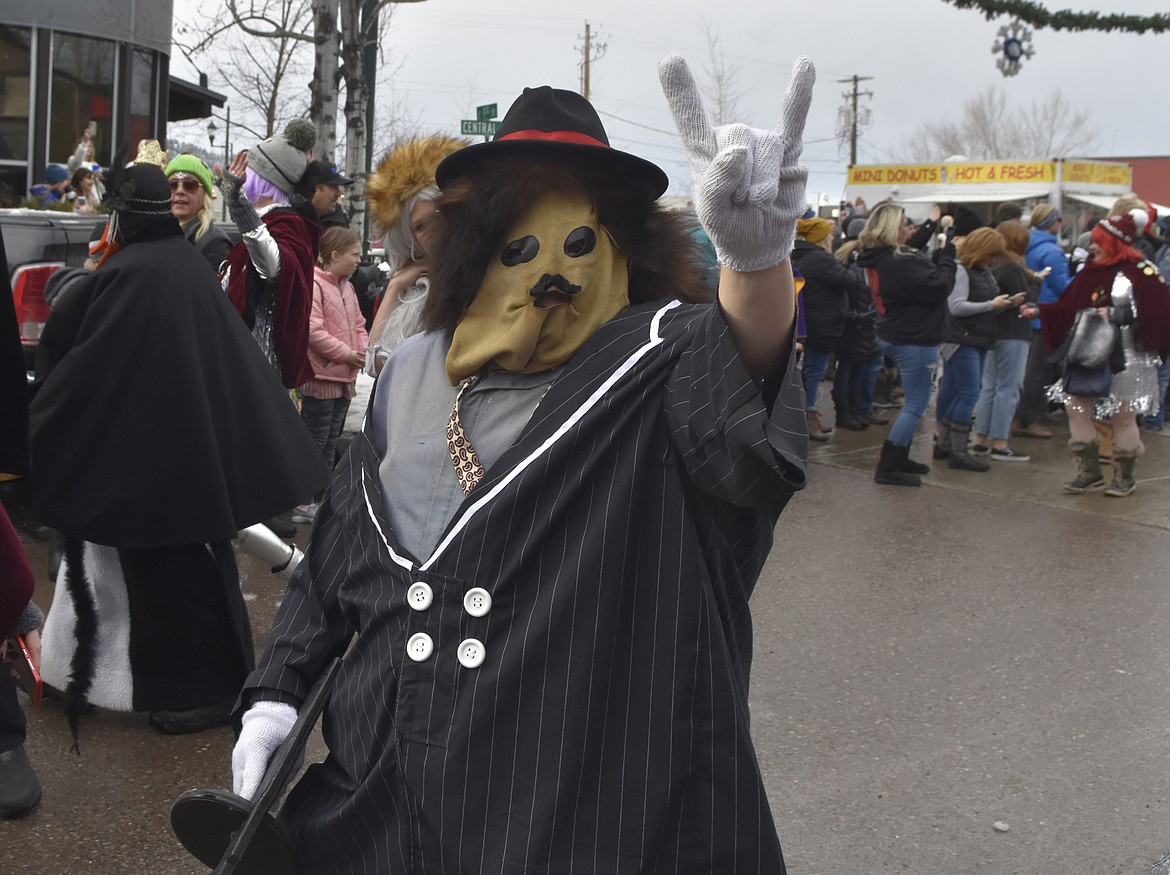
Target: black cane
208,822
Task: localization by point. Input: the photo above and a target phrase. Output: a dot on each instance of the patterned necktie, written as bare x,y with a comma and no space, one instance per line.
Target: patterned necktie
467,466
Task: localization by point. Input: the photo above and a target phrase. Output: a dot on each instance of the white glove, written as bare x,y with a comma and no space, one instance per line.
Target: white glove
264,726
748,188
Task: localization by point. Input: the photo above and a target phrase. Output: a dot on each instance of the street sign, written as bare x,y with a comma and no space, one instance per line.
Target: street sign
474,127
488,111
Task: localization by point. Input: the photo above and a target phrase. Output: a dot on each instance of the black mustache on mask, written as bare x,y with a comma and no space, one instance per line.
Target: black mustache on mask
548,281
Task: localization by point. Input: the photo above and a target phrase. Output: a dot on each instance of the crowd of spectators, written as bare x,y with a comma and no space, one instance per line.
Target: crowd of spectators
955,303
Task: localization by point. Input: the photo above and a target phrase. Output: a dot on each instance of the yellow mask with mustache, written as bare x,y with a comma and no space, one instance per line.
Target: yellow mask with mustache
558,279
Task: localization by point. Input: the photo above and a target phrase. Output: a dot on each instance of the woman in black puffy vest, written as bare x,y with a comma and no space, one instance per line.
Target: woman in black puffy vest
970,332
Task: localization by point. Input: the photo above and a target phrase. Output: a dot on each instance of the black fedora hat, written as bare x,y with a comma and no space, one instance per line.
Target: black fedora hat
560,125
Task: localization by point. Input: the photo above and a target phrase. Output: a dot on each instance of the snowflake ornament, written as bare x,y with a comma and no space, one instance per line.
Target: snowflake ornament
1014,43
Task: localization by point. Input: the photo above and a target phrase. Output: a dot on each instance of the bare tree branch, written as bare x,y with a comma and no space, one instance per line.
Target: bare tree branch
722,94
258,49
988,128
273,28
254,71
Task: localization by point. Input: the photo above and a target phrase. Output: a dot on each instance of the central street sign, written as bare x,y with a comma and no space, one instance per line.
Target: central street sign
488,111
474,127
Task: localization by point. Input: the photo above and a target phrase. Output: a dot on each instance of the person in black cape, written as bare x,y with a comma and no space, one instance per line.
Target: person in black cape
157,432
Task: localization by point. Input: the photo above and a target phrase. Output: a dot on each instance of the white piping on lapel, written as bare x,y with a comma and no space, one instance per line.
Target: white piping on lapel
598,394
401,560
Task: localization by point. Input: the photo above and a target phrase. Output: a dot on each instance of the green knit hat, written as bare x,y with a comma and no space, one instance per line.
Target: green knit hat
188,163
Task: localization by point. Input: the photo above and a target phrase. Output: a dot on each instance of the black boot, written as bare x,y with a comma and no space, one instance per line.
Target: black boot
889,467
845,417
19,788
960,459
909,466
282,528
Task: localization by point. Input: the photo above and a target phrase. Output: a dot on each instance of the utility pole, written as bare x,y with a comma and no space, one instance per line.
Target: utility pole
588,55
585,67
850,117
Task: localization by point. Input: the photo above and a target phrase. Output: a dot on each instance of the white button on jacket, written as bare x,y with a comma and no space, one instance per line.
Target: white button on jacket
420,647
419,596
471,653
477,601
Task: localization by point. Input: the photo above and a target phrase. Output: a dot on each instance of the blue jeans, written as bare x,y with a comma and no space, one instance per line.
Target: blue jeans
814,366
1003,375
1038,374
916,365
959,389
869,374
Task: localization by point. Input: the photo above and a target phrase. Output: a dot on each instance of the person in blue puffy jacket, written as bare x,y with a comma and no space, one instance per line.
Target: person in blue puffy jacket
1044,254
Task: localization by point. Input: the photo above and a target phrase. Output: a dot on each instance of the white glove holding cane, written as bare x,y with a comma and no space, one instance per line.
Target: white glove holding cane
748,188
264,726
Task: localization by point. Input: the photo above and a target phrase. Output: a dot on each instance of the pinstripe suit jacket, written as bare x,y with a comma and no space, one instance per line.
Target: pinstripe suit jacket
606,729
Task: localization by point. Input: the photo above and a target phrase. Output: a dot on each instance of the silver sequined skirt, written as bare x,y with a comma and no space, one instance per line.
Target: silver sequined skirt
1135,388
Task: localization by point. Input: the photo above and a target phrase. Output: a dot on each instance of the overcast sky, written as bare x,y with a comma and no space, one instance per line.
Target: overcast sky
924,56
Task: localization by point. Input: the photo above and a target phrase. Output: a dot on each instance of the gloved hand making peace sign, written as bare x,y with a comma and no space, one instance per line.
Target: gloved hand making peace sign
748,188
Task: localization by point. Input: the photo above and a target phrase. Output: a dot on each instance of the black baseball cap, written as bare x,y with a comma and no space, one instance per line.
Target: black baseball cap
321,173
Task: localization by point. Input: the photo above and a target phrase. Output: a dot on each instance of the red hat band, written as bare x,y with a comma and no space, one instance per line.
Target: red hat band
556,137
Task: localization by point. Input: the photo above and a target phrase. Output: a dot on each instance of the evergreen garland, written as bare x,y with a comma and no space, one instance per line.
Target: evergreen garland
1065,19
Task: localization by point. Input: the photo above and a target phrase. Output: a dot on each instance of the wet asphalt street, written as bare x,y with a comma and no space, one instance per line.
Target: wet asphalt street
968,677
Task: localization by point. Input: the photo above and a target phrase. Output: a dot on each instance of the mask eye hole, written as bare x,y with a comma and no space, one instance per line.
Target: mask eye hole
581,241
520,251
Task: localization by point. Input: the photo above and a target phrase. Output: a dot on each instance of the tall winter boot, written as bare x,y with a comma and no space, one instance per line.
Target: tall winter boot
909,466
816,430
1089,473
889,467
883,388
942,440
845,416
1123,461
960,459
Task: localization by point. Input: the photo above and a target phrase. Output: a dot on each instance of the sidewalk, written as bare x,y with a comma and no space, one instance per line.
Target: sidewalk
357,407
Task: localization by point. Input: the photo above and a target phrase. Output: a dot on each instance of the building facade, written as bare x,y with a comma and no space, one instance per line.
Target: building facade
66,65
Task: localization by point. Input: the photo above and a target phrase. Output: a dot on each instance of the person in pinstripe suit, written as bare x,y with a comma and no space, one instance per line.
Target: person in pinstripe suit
547,634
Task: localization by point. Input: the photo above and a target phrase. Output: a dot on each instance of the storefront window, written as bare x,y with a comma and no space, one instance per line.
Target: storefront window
12,186
82,92
15,70
142,90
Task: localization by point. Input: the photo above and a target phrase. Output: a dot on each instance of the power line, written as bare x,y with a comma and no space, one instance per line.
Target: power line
618,118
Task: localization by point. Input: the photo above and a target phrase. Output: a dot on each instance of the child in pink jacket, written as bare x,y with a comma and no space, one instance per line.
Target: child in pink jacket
337,347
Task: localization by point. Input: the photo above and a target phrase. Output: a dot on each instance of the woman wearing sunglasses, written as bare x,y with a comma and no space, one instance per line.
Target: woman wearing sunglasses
191,194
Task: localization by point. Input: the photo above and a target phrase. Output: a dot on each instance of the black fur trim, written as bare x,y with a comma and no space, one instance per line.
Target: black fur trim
82,665
477,211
